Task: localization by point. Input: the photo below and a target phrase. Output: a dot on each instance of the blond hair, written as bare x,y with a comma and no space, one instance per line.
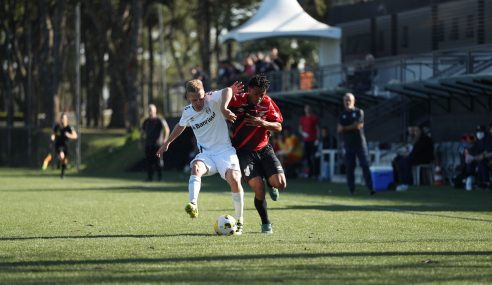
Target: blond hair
194,86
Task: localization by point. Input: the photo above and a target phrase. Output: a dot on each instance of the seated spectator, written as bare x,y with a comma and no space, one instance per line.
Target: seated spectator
325,142
422,153
477,160
460,172
289,152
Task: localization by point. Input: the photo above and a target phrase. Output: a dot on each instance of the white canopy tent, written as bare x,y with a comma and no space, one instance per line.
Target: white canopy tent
286,18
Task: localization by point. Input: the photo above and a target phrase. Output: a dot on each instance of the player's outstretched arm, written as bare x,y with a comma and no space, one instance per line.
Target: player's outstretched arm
177,131
165,130
226,98
237,88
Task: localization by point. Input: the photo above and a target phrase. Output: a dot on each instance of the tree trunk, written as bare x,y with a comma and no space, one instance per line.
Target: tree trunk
151,67
131,87
204,32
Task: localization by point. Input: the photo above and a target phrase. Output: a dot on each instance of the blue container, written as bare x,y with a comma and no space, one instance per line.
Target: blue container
382,177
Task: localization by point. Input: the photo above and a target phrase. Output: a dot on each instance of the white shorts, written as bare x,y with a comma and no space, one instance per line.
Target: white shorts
219,162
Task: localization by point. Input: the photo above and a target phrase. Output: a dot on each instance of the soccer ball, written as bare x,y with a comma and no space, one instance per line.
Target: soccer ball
225,225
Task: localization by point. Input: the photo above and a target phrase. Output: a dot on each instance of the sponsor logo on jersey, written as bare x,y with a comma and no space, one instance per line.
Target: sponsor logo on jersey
206,121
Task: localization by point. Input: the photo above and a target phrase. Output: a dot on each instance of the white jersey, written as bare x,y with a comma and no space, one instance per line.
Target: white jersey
209,125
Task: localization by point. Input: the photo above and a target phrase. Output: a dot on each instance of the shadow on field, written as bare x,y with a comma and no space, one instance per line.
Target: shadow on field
136,188
105,236
417,210
4,266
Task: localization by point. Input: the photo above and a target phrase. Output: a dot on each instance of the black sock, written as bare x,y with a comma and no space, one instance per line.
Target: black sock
261,207
63,167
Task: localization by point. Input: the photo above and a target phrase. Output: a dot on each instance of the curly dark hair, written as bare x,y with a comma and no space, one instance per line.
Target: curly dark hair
260,81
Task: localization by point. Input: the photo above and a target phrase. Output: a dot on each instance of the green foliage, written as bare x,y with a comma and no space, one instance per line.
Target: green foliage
88,230
111,153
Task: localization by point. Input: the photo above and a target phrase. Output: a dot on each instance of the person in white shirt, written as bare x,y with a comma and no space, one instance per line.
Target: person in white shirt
207,115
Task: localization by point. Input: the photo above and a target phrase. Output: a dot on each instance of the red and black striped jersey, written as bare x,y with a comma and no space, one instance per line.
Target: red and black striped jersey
252,137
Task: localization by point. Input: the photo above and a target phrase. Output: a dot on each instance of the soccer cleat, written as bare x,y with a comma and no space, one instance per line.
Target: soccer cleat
274,193
266,229
192,210
239,229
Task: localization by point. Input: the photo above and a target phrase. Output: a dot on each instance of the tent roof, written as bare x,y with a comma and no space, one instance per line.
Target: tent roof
276,18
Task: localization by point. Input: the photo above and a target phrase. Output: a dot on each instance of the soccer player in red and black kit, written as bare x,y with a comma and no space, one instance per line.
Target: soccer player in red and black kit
257,115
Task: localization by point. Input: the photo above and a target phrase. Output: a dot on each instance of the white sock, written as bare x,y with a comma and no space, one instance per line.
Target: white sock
194,188
238,199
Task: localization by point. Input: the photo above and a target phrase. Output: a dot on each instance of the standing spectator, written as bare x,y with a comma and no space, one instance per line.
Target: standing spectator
422,153
257,116
309,129
260,64
198,73
155,131
249,66
62,132
351,127
276,59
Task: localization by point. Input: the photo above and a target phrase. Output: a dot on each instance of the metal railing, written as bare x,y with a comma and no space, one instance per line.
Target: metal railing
371,78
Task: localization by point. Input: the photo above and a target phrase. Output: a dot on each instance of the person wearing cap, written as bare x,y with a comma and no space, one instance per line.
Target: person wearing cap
478,158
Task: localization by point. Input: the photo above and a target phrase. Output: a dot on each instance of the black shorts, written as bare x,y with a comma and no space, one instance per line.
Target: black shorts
263,163
61,147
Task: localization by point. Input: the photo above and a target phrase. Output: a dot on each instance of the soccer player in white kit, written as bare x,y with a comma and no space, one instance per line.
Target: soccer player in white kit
207,115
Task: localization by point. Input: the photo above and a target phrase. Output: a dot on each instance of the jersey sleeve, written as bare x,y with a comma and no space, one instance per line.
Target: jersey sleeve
185,117
215,96
274,114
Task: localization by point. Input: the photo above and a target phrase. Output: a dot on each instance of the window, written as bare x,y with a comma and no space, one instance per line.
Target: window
470,29
404,37
440,31
381,41
454,32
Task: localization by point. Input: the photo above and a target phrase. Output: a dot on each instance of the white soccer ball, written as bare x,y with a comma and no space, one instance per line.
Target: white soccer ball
225,225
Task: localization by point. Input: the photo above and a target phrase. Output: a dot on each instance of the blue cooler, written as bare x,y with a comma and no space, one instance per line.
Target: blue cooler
382,177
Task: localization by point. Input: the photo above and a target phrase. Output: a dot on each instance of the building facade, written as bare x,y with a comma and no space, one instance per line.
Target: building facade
387,28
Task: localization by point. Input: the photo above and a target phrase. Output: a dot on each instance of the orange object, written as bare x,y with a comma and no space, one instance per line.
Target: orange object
47,161
438,180
306,80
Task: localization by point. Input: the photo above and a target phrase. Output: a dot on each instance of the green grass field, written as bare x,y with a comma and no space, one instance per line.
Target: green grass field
121,230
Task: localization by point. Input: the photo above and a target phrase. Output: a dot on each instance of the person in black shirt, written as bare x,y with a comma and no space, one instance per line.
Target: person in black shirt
351,128
422,153
155,131
477,159
62,132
